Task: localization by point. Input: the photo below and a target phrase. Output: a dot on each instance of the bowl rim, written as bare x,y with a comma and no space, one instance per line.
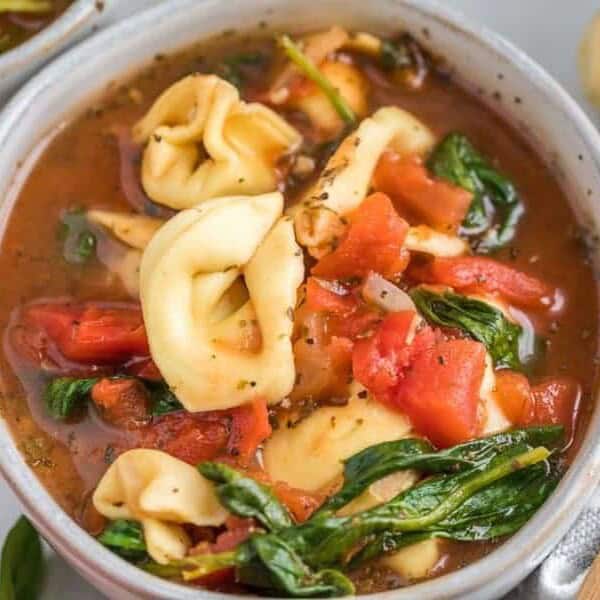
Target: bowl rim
38,46
512,561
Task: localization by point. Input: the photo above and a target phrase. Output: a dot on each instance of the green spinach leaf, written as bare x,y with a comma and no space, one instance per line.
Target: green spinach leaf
245,497
22,564
125,538
496,207
66,395
79,243
481,321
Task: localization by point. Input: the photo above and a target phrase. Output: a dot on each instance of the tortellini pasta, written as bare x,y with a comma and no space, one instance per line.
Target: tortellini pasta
162,493
135,231
207,276
346,179
309,456
204,142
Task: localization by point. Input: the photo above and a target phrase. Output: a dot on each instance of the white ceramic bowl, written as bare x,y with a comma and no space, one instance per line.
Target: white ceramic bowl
517,88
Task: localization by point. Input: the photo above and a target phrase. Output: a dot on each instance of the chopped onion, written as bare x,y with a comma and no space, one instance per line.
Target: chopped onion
379,291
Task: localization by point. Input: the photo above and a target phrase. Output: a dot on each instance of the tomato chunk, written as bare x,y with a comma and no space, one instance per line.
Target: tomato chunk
556,402
478,274
91,333
122,402
415,193
379,361
373,242
250,427
514,396
440,391
321,298
188,437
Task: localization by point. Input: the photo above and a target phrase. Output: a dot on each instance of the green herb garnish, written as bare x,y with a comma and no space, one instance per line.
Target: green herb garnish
65,396
310,70
124,538
79,243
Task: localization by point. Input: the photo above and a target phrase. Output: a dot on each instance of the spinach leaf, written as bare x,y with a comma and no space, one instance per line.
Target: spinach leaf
66,395
483,322
245,497
162,399
500,509
22,564
124,538
79,243
496,207
267,562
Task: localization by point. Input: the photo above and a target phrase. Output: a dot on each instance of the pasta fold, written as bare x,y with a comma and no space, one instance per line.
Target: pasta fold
218,290
346,179
162,493
204,142
309,456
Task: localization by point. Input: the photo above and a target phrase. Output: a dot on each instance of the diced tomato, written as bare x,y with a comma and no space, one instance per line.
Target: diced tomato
250,427
406,181
514,396
379,361
91,333
479,274
556,402
189,437
300,503
322,368
440,391
373,242
320,298
145,369
122,402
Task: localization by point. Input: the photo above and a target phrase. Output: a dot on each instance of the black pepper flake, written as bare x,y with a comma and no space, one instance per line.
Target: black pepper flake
357,142
157,138
310,341
253,384
109,454
324,196
441,360
290,313
383,294
363,394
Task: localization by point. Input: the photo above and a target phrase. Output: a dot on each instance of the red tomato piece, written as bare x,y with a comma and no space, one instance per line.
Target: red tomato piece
406,181
320,298
479,274
557,403
250,427
514,396
379,361
91,333
191,438
373,242
122,402
440,391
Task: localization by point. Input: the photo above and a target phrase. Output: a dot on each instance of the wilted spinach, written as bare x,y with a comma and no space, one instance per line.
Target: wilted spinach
496,208
125,538
481,321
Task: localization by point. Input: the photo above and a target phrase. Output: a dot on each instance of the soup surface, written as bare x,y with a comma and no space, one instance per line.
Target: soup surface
17,27
428,290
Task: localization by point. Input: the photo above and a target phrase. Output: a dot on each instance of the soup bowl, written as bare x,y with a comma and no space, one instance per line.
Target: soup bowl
480,61
78,21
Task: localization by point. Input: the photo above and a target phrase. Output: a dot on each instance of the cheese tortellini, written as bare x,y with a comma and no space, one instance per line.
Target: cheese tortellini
204,142
211,273
346,179
133,230
162,493
309,456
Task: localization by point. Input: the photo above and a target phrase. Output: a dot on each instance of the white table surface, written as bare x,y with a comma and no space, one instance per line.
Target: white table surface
549,31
